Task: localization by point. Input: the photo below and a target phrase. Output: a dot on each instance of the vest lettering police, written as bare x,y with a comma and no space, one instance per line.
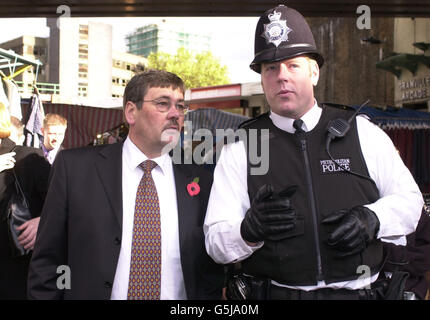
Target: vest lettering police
303,257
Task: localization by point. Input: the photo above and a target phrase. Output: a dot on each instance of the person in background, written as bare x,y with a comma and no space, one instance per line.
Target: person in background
306,227
17,131
414,258
32,171
53,130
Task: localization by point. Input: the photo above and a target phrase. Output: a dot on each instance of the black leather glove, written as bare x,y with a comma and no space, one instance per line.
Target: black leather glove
355,229
270,215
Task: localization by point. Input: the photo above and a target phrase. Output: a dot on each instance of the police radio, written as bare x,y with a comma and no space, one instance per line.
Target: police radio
338,128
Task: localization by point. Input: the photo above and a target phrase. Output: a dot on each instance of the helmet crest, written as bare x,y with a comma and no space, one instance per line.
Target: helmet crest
277,30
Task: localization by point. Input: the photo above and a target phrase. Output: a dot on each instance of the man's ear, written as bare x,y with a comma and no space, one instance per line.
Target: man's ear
130,112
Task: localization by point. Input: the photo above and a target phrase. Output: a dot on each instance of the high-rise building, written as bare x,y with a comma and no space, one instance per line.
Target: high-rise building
166,37
82,62
80,57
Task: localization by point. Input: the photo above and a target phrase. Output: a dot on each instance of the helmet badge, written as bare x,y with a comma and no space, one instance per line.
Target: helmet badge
277,30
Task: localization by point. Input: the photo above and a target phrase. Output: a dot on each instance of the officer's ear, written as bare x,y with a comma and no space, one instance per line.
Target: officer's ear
315,71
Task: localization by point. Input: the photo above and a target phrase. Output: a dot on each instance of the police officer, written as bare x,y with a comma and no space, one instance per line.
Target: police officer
311,226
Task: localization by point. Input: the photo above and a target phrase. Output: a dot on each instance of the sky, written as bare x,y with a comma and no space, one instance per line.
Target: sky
232,37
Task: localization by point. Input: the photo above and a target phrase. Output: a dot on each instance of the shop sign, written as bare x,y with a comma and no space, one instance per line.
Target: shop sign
415,89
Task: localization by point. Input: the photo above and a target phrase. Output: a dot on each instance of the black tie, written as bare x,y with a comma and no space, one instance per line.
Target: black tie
297,124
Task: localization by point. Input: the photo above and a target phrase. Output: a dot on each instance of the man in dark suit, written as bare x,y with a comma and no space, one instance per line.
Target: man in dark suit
108,206
32,172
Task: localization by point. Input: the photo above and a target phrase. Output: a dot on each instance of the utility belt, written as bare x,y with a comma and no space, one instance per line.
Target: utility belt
245,287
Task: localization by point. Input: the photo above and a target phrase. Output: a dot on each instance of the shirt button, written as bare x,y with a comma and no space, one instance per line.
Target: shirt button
117,241
108,284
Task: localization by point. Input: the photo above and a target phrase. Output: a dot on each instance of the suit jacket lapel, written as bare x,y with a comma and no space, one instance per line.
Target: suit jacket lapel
109,170
6,145
183,176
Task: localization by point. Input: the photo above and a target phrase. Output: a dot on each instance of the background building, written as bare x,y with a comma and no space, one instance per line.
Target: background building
123,67
412,63
78,63
166,37
32,48
349,74
80,58
371,63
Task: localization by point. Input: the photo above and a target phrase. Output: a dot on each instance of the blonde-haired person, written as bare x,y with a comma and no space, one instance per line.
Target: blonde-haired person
53,130
32,172
17,131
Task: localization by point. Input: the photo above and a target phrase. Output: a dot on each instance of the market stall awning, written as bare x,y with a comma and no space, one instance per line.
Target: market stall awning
213,119
398,117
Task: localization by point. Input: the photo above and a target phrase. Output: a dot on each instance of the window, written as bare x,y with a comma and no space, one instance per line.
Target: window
83,29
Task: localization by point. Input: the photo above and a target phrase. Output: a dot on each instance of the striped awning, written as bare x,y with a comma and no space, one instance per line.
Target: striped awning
212,119
401,118
83,123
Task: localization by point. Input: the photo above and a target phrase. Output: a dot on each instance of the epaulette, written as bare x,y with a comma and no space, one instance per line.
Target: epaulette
252,119
338,106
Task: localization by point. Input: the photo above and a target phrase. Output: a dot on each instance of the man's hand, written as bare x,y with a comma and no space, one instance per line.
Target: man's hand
27,238
355,229
7,161
270,215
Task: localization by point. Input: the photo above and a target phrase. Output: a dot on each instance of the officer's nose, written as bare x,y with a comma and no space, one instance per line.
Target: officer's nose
284,74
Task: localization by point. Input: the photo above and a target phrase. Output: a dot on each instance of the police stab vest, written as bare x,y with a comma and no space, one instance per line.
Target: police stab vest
303,256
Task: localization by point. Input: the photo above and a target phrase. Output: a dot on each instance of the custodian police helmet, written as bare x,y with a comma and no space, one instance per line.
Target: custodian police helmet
283,33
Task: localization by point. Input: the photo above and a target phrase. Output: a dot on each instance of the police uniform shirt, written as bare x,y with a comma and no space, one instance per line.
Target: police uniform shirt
398,208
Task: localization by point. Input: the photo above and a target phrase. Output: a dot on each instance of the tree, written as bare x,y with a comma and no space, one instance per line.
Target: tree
197,70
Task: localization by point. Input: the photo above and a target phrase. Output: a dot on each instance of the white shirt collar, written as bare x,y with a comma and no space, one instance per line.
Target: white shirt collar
133,157
310,120
51,154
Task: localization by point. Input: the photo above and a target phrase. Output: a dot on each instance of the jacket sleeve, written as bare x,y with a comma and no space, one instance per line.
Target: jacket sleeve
32,171
40,186
415,256
50,251
422,244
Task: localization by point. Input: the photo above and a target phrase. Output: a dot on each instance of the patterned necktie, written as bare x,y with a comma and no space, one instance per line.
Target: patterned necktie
297,124
145,266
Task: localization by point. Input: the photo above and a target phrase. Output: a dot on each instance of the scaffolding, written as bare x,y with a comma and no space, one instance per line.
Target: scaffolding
12,64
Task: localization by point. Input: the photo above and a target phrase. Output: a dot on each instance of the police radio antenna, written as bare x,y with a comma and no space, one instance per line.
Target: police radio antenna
358,110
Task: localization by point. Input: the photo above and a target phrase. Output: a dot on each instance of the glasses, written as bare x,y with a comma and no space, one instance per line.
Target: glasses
164,104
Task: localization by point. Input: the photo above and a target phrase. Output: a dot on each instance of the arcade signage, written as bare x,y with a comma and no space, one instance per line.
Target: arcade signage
415,89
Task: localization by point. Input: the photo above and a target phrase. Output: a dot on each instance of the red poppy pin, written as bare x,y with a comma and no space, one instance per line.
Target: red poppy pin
193,188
